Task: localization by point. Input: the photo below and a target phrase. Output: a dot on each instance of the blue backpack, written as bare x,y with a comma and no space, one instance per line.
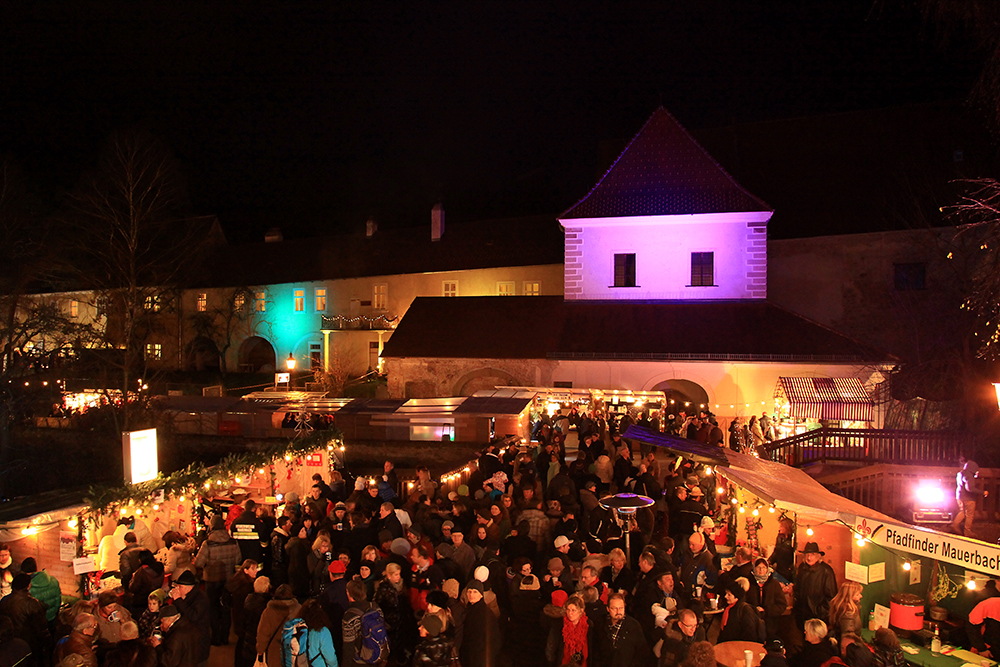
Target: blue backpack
293,640
374,647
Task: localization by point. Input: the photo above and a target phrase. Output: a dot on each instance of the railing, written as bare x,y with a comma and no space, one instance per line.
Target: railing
359,322
869,446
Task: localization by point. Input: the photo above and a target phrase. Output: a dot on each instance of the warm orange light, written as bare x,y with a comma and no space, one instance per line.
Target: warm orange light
290,362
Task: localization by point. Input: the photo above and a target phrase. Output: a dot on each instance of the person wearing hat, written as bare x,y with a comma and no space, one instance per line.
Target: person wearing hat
459,552
480,629
110,617
967,494
740,621
815,586
239,586
766,596
44,588
219,557
149,621
192,602
181,644
27,615
435,648
280,535
690,512
774,654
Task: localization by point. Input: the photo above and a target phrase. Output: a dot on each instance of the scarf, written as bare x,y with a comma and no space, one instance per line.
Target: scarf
574,640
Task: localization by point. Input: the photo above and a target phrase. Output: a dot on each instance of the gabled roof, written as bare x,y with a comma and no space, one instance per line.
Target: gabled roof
547,327
664,171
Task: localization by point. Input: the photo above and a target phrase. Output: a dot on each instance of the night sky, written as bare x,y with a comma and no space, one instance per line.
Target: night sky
315,118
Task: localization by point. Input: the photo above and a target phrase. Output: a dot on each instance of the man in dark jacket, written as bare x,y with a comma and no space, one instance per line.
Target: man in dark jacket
239,587
351,623
766,596
480,630
279,558
218,557
620,641
192,603
128,559
248,531
679,636
815,586
740,622
28,617
181,645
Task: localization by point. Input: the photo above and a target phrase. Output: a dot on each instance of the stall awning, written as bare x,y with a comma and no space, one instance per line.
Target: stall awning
690,449
843,399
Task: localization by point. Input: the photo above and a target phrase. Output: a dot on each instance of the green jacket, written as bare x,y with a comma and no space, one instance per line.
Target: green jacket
45,588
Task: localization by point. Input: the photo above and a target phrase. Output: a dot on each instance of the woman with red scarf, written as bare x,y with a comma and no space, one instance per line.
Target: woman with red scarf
570,643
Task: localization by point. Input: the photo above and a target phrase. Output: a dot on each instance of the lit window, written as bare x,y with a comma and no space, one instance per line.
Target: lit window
532,288
450,288
74,308
261,299
202,303
239,301
154,351
152,303
316,356
505,288
300,300
379,295
625,270
321,299
702,269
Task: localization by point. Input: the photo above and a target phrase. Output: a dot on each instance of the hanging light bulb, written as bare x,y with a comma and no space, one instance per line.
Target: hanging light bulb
735,501
138,511
182,498
755,512
156,507
907,566
708,470
743,509
122,511
971,585
720,490
238,480
72,523
810,531
861,542
771,509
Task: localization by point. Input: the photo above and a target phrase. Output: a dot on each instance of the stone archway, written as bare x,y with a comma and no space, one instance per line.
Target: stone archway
202,355
685,395
257,356
483,378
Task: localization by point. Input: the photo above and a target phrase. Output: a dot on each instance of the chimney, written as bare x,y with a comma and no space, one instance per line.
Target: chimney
273,235
371,227
437,222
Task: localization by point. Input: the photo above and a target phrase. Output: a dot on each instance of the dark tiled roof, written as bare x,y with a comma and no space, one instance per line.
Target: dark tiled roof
548,327
476,245
664,171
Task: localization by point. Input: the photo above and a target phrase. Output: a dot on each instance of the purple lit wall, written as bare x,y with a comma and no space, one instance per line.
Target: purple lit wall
662,246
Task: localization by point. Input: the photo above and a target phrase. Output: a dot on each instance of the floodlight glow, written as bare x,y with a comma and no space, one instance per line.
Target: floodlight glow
930,494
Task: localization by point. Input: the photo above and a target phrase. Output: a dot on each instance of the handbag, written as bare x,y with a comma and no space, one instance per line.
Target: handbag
261,661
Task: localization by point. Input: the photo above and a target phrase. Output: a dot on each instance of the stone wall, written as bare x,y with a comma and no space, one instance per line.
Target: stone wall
425,378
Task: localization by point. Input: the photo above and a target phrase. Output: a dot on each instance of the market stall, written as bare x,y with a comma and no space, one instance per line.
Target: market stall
805,403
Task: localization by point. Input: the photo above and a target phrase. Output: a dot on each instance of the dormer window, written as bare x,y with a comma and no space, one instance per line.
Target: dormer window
625,270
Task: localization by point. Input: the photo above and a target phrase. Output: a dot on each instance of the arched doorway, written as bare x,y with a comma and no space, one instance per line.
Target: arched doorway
256,356
686,395
202,355
484,378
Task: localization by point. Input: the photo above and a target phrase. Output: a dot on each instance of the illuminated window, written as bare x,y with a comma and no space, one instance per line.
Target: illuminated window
702,269
532,288
261,299
74,308
321,299
154,351
202,303
505,288
316,356
239,301
152,303
450,288
625,270
300,300
379,295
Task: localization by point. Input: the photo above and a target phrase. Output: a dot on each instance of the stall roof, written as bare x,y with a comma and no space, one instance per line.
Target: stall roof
841,398
786,487
494,405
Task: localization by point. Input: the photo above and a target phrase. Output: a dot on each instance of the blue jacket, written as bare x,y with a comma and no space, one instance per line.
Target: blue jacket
318,649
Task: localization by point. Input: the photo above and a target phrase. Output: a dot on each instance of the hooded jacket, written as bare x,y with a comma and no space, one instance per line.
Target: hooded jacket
218,557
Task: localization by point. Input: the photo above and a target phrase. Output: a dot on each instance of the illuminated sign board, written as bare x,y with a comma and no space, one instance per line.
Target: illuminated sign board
282,378
139,455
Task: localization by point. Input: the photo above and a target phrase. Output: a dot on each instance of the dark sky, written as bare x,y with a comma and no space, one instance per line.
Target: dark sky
314,118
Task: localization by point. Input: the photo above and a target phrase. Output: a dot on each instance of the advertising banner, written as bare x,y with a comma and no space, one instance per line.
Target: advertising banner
947,548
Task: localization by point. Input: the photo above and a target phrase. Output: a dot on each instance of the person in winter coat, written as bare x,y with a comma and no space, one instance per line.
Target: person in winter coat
617,575
524,642
571,641
148,578
318,644
283,607
351,625
740,621
193,605
393,597
298,549
435,649
480,630
887,650
276,550
28,617
620,640
817,648
79,641
678,637
319,560
815,586
253,609
766,596
238,588
131,651
44,588
845,610
218,557
181,644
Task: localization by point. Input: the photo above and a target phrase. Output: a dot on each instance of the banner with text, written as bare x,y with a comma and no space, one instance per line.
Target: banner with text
953,549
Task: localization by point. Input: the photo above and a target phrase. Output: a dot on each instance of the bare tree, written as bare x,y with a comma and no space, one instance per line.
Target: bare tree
236,318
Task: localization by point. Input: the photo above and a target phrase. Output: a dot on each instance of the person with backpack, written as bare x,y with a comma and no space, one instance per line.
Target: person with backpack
306,641
365,637
740,621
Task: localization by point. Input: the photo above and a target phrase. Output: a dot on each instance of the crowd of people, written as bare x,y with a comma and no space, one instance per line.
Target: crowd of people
521,565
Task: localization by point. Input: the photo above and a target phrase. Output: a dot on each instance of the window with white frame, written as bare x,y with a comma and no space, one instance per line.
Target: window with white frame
300,300
74,308
202,302
320,299
261,299
449,288
532,288
505,288
380,294
154,351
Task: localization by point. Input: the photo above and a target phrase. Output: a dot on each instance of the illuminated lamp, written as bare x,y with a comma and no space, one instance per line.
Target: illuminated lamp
720,490
290,362
810,532
907,566
971,585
